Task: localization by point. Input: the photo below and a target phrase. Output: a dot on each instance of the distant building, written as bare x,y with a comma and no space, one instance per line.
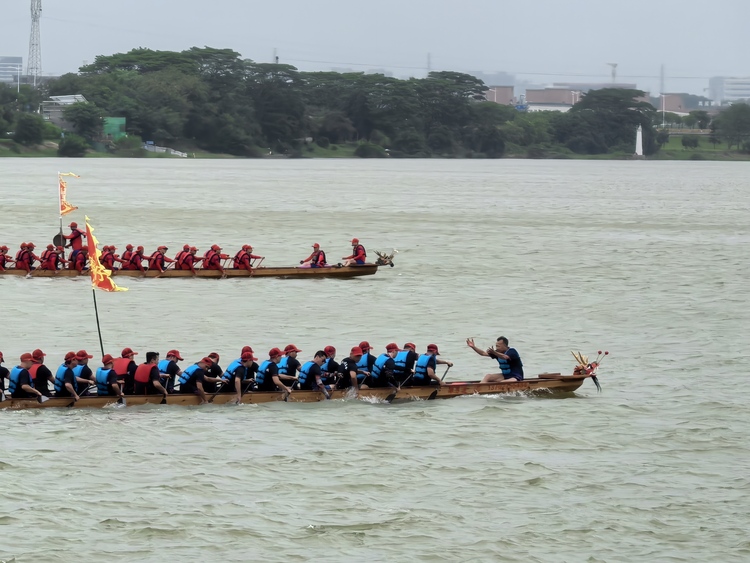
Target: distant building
586,86
11,69
500,95
52,109
723,89
552,99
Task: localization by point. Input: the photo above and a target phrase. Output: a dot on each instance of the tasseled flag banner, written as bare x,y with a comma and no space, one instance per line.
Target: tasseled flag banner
65,207
101,277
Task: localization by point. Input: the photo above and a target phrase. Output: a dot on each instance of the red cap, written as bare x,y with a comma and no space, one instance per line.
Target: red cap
186,247
291,348
215,247
433,348
129,247
30,245
249,247
82,354
127,352
316,245
410,345
392,346
356,351
273,352
140,249
50,247
365,346
329,350
208,361
193,249
248,356
3,247
38,354
26,357
162,247
247,349
355,241
107,359
70,356
175,353
73,224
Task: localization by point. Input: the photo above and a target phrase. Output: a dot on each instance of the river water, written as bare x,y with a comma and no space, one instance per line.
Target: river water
644,259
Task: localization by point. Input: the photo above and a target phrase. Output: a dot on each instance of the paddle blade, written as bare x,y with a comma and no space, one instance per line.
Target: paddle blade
432,395
2,396
389,398
122,401
42,399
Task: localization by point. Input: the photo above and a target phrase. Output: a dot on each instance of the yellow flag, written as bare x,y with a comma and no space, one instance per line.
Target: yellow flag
101,277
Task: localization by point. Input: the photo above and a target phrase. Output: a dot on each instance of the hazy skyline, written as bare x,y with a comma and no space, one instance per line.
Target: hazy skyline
544,41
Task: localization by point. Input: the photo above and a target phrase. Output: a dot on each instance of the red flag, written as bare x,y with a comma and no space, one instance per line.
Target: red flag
101,278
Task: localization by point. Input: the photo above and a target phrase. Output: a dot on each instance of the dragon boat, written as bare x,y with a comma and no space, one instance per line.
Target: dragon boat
546,383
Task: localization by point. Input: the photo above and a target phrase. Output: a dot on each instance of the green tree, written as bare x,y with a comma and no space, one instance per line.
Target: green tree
690,141
86,118
701,117
733,124
662,138
29,129
72,146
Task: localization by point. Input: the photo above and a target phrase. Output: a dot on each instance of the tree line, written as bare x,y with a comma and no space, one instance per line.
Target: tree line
212,99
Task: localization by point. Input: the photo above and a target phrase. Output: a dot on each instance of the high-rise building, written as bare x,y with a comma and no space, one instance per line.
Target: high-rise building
11,69
732,89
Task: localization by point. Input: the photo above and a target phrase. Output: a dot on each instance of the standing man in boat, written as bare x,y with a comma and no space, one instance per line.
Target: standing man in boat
20,384
237,373
75,240
405,361
509,360
268,378
125,367
40,373
83,372
147,379
316,260
169,369
358,256
384,366
424,372
106,379
4,260
310,376
289,364
348,370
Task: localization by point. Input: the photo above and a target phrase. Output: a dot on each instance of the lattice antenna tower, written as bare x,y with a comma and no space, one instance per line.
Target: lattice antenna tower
34,66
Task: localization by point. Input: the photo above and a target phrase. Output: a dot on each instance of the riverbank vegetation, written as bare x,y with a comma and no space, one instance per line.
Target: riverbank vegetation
208,101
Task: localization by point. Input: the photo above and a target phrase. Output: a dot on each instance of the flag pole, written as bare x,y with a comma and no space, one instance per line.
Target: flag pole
98,326
59,209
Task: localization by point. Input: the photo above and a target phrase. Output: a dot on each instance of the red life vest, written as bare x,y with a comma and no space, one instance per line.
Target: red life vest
178,258
208,257
239,259
33,369
121,366
154,263
143,373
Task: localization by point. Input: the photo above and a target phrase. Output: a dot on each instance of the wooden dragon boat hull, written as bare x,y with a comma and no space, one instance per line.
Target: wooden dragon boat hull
262,272
556,384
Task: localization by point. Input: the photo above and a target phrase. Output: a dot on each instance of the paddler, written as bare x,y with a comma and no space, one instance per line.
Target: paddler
509,360
424,372
106,379
66,384
364,366
83,372
80,262
75,239
187,261
358,256
44,258
20,384
289,364
125,367
5,261
316,260
108,258
3,373
147,379
212,259
125,258
237,373
213,373
178,257
310,375
267,378
169,369
25,257
135,262
384,366
159,259
348,369
191,380
40,373
242,260
330,367
405,361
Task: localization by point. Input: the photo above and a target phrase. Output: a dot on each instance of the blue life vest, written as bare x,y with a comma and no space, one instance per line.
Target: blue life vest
420,371
400,361
163,365
260,377
304,373
226,376
77,370
283,366
13,379
364,364
59,376
102,387
504,367
325,367
185,375
377,369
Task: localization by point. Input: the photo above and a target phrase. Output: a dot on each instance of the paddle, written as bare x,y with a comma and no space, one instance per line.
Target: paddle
446,373
218,390
40,399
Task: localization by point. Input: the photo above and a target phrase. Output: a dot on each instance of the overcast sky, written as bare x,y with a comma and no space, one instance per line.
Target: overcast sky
542,41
